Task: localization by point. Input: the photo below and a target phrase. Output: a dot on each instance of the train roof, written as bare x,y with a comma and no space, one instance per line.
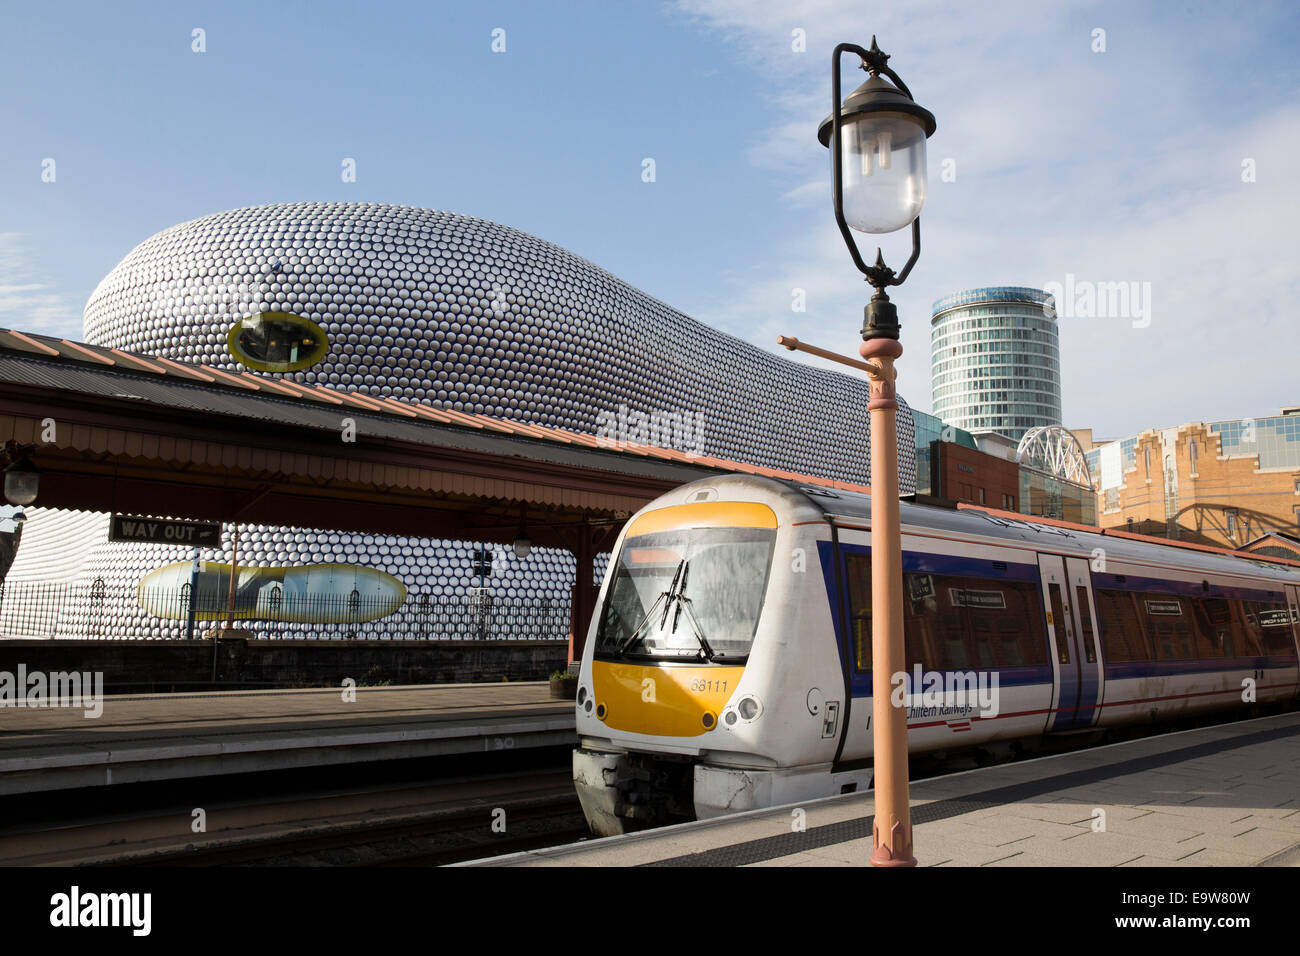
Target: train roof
1047,534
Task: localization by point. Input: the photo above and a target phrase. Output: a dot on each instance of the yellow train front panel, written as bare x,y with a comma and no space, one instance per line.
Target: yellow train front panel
666,700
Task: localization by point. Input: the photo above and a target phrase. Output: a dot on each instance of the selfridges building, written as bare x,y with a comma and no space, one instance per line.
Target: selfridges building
449,310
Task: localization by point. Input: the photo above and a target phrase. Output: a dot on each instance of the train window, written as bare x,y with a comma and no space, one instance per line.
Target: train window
1059,624
1219,630
954,644
918,640
952,622
1015,631
981,629
1251,636
1270,625
1123,635
688,593
1170,622
1085,615
858,572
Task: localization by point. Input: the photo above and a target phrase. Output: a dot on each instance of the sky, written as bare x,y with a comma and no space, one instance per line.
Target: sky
1083,144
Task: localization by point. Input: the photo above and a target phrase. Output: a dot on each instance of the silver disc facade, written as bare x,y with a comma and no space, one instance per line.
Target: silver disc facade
430,306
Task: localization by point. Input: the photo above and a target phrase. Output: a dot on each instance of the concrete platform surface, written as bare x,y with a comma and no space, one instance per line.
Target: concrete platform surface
1218,796
153,737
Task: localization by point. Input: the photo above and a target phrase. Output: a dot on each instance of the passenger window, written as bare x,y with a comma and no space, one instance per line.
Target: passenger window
1124,636
1058,623
1085,616
1166,617
1272,624
1219,630
858,573
953,622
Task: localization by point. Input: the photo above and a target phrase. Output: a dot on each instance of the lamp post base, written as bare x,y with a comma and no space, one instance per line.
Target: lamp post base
900,855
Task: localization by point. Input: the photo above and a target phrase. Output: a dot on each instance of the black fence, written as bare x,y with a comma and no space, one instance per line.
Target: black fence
38,610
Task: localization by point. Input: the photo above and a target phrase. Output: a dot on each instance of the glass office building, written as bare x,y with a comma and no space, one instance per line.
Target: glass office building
1275,440
929,429
1054,497
995,363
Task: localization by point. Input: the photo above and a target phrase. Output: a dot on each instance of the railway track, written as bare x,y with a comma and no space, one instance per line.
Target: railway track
425,823
434,839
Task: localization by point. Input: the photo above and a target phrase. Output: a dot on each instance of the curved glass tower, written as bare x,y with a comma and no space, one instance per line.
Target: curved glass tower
995,362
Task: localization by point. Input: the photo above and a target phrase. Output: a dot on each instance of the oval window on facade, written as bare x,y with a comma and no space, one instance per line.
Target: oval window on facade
277,342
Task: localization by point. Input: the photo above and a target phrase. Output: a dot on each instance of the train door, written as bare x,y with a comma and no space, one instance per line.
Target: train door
1072,633
1293,603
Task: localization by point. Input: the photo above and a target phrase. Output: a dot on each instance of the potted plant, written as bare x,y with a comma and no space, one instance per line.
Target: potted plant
564,686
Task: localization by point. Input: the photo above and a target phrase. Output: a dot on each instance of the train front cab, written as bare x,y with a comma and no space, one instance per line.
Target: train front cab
667,649
697,630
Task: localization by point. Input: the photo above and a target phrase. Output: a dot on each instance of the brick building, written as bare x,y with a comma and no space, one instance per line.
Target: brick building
1219,483
990,475
974,476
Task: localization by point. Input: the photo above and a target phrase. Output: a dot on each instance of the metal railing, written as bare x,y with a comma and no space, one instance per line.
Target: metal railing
42,610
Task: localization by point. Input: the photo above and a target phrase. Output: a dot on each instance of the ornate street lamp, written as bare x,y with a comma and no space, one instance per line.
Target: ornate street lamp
22,479
877,141
522,546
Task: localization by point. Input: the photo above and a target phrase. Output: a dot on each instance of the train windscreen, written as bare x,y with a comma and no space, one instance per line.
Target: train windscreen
686,594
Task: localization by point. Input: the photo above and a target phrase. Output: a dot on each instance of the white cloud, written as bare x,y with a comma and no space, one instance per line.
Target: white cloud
28,302
1116,166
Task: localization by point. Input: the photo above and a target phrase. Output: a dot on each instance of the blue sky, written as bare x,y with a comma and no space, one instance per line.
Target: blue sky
1116,166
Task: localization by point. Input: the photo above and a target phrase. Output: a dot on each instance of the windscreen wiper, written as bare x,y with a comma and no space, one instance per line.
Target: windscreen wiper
663,598
696,629
684,602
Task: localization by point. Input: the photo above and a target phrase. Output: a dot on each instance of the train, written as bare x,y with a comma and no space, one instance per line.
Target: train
728,663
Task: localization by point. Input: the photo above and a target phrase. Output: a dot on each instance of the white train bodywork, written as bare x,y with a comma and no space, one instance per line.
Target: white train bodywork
684,718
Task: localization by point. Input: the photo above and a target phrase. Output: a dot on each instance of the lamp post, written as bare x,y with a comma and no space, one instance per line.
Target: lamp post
877,141
192,610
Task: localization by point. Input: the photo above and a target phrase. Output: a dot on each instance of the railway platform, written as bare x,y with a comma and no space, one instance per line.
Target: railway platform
142,738
1227,795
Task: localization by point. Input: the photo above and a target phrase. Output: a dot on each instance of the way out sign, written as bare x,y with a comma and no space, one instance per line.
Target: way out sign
165,531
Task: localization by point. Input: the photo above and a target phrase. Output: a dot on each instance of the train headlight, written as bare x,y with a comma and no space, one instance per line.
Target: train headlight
587,706
582,696
730,718
749,708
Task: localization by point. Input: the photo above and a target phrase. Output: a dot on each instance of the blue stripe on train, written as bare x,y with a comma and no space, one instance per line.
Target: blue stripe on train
1007,677
1129,669
1131,582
